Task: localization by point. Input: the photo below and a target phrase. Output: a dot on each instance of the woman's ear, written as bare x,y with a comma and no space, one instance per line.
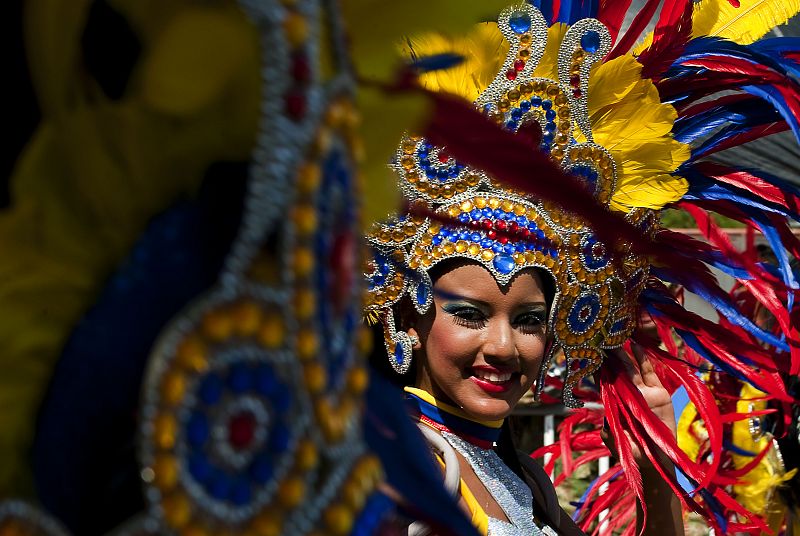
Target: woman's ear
412,332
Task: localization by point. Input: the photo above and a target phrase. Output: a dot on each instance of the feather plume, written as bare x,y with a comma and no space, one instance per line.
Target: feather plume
744,24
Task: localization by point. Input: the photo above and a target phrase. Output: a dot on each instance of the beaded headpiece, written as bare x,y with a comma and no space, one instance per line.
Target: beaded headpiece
640,126
505,230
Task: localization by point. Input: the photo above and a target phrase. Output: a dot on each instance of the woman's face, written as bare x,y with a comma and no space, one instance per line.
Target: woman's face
481,344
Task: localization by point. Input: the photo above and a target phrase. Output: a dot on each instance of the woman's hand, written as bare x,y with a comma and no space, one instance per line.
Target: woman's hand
664,515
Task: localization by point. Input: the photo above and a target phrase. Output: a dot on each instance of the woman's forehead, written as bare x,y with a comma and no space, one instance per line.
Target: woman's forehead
471,279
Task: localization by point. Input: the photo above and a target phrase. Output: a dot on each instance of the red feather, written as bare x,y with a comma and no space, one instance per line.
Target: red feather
640,22
612,14
670,37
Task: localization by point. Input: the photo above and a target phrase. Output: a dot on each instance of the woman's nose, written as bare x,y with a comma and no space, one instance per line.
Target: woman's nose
500,340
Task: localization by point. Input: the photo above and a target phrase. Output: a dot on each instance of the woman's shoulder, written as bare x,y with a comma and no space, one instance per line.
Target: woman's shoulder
545,500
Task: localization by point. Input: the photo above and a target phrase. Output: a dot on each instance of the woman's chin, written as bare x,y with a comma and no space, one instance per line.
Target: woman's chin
489,408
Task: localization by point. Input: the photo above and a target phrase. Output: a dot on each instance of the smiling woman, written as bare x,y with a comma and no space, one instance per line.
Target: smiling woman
481,344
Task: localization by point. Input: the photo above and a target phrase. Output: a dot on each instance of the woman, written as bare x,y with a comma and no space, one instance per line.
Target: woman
479,349
478,283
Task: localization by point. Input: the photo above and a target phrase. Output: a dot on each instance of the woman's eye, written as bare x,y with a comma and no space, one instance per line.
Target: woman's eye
532,319
467,316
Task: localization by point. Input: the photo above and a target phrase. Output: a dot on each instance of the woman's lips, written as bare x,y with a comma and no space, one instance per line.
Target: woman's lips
492,380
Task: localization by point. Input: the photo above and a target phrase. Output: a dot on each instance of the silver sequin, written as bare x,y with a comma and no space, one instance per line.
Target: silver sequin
510,493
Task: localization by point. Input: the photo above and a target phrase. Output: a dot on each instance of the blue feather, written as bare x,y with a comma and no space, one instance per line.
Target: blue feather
721,302
772,95
716,508
775,242
546,7
437,62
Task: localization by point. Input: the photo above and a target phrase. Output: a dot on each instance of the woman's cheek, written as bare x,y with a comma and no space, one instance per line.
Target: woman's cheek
455,345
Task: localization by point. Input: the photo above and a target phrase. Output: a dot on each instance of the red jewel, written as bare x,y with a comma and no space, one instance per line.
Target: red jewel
491,234
511,74
241,430
443,157
501,225
300,68
575,80
525,233
475,224
577,93
513,227
519,65
503,240
487,224
296,104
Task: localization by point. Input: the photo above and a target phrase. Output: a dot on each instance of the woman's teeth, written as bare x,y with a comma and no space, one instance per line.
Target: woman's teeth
493,376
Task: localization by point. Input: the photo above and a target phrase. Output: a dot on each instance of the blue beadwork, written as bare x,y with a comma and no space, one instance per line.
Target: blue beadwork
503,263
591,260
547,104
525,105
519,22
423,293
398,354
590,41
584,312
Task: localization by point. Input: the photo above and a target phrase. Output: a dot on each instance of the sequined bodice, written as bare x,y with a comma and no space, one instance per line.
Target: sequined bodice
510,493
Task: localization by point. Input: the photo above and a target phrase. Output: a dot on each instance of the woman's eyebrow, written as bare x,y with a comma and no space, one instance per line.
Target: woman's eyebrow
443,294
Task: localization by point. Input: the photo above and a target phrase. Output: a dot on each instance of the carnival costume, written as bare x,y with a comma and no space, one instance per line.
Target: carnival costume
585,115
182,350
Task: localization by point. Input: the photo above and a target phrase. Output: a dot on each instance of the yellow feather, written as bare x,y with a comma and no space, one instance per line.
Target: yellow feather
746,24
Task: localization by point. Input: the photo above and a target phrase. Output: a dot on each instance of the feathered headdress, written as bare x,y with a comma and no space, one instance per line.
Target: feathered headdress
637,129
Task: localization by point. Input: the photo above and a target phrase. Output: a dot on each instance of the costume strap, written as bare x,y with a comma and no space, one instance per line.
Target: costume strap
447,418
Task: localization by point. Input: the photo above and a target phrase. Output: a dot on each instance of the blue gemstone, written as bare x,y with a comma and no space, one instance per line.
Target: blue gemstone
436,240
516,114
424,163
261,469
522,220
487,212
463,217
423,152
550,115
453,172
547,139
499,214
385,267
197,429
487,243
211,389
520,248
475,237
590,41
476,214
536,101
463,235
547,104
240,378
487,107
200,468
442,175
509,248
512,125
430,173
497,247
519,22
240,493
503,263
423,293
279,439
525,105
377,280
398,354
